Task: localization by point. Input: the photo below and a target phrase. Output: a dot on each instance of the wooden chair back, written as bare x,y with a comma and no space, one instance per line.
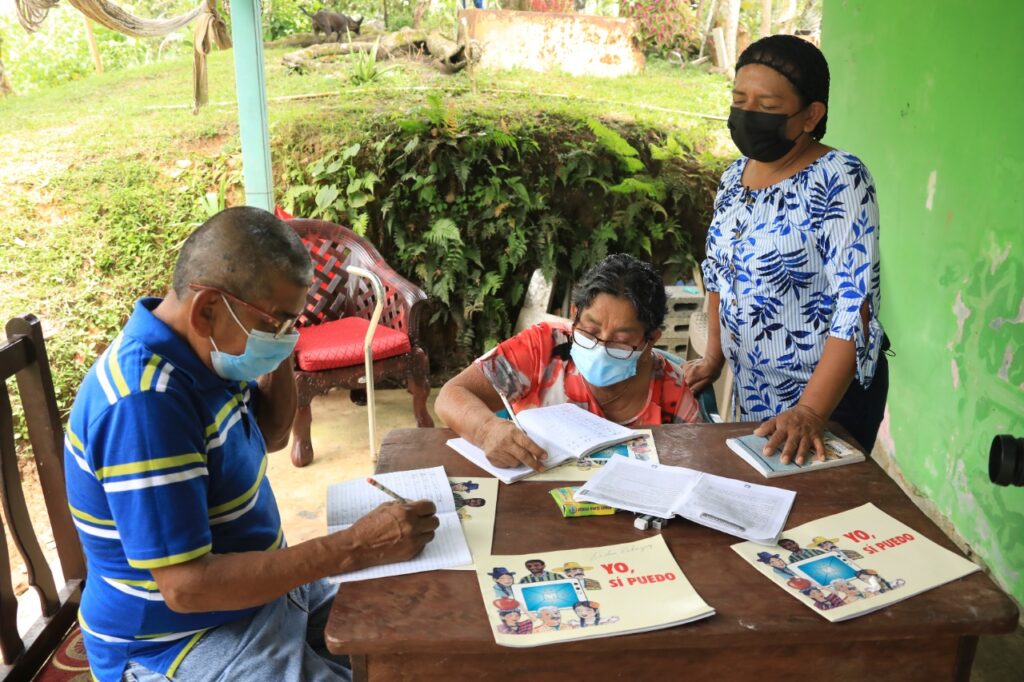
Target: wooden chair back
23,357
334,294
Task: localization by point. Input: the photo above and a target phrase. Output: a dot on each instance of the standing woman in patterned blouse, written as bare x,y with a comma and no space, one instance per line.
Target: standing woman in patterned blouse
792,268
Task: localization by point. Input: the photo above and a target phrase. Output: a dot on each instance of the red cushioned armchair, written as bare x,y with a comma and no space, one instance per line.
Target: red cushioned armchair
339,307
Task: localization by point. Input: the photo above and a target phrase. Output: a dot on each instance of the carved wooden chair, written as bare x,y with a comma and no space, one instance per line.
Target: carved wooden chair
332,332
23,356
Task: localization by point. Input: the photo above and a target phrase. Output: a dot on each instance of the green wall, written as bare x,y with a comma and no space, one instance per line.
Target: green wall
930,96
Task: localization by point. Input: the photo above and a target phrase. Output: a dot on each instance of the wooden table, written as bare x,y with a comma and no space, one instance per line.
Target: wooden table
432,626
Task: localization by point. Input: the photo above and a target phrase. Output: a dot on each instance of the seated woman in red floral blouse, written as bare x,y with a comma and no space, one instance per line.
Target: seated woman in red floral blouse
604,362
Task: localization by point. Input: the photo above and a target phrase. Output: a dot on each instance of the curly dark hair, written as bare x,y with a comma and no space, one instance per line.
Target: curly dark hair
627,277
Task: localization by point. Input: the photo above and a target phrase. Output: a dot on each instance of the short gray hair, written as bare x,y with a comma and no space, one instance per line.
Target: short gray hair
241,250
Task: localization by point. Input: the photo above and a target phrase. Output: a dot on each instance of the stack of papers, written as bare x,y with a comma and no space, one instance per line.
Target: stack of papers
746,510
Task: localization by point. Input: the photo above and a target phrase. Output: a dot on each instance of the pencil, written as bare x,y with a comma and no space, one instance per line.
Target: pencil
511,412
386,490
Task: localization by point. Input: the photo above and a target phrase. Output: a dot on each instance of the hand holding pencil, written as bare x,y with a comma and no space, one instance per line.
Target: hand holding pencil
394,531
507,444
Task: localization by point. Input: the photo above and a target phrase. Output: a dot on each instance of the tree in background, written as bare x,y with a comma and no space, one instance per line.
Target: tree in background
5,85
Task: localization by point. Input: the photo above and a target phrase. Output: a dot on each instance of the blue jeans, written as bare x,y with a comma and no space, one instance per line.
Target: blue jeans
281,642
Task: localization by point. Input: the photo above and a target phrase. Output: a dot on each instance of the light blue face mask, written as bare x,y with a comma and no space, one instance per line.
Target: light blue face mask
601,369
263,353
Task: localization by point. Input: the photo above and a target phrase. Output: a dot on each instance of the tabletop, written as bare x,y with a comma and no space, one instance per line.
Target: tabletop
425,611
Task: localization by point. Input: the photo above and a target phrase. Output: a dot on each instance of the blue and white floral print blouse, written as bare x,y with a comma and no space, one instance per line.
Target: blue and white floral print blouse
793,263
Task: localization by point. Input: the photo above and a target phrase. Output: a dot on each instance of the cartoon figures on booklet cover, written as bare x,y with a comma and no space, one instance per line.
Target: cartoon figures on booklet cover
462,502
826,573
640,448
546,601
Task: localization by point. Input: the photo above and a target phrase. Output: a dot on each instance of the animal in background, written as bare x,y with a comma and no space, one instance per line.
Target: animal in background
332,22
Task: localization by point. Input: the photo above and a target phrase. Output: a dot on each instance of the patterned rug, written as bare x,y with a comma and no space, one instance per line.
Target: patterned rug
68,663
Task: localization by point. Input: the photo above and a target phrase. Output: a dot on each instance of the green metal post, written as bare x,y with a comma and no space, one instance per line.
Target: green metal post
247,37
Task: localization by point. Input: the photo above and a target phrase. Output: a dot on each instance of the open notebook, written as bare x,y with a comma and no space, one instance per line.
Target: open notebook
565,432
746,510
348,501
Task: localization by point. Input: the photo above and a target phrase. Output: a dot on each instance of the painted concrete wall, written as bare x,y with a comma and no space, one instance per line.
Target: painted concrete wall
577,44
929,96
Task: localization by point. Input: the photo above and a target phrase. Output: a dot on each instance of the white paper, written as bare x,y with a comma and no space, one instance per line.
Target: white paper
566,431
477,457
350,500
638,486
746,510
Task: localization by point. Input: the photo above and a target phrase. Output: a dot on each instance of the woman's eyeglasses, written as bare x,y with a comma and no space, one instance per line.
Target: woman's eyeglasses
280,327
619,351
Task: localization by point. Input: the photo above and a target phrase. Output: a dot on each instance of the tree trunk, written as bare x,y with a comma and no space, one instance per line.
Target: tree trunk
766,18
94,49
732,25
421,8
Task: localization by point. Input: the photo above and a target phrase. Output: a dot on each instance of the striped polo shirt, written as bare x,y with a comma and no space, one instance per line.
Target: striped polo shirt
164,463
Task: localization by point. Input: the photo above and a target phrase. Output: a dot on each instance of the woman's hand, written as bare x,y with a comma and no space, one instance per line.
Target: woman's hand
506,446
799,430
699,374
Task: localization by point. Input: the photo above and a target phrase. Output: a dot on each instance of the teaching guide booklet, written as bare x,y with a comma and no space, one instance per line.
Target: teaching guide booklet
850,564
746,510
350,500
837,453
639,447
549,597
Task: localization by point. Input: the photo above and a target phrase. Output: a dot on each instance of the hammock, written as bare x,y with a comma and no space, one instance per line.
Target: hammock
210,28
32,13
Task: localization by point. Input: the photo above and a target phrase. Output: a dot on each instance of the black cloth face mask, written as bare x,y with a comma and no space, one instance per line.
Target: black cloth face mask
759,135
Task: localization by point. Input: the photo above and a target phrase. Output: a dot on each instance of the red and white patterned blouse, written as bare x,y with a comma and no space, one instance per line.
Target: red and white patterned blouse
534,368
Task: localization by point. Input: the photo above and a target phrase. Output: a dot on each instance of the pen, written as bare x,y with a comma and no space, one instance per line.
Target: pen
511,412
384,489
711,517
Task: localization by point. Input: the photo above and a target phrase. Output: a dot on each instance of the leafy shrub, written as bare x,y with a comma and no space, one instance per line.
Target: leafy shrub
663,25
469,208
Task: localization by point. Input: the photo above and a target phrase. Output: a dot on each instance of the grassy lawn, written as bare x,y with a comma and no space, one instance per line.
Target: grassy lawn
102,178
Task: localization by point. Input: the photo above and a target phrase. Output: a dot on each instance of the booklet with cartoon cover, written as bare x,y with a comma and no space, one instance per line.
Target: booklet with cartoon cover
746,510
549,597
837,453
855,562
350,500
476,501
640,447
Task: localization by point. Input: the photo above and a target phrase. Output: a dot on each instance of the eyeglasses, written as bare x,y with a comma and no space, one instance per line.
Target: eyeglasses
280,326
619,351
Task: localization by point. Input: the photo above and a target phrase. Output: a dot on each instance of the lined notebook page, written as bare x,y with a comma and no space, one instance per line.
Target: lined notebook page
567,430
348,501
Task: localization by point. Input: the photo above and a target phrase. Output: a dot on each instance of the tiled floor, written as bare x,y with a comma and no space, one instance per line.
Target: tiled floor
340,440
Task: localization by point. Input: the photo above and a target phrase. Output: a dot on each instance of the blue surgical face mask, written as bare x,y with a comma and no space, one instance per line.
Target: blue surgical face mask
601,369
263,353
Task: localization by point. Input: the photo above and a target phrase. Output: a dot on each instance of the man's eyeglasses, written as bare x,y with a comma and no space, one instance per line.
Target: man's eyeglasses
619,351
280,326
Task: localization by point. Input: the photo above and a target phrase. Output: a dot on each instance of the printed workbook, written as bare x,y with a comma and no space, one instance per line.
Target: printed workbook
856,562
640,447
837,453
476,501
548,597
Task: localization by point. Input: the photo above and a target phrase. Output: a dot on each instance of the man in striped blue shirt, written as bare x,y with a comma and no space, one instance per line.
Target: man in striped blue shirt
189,575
